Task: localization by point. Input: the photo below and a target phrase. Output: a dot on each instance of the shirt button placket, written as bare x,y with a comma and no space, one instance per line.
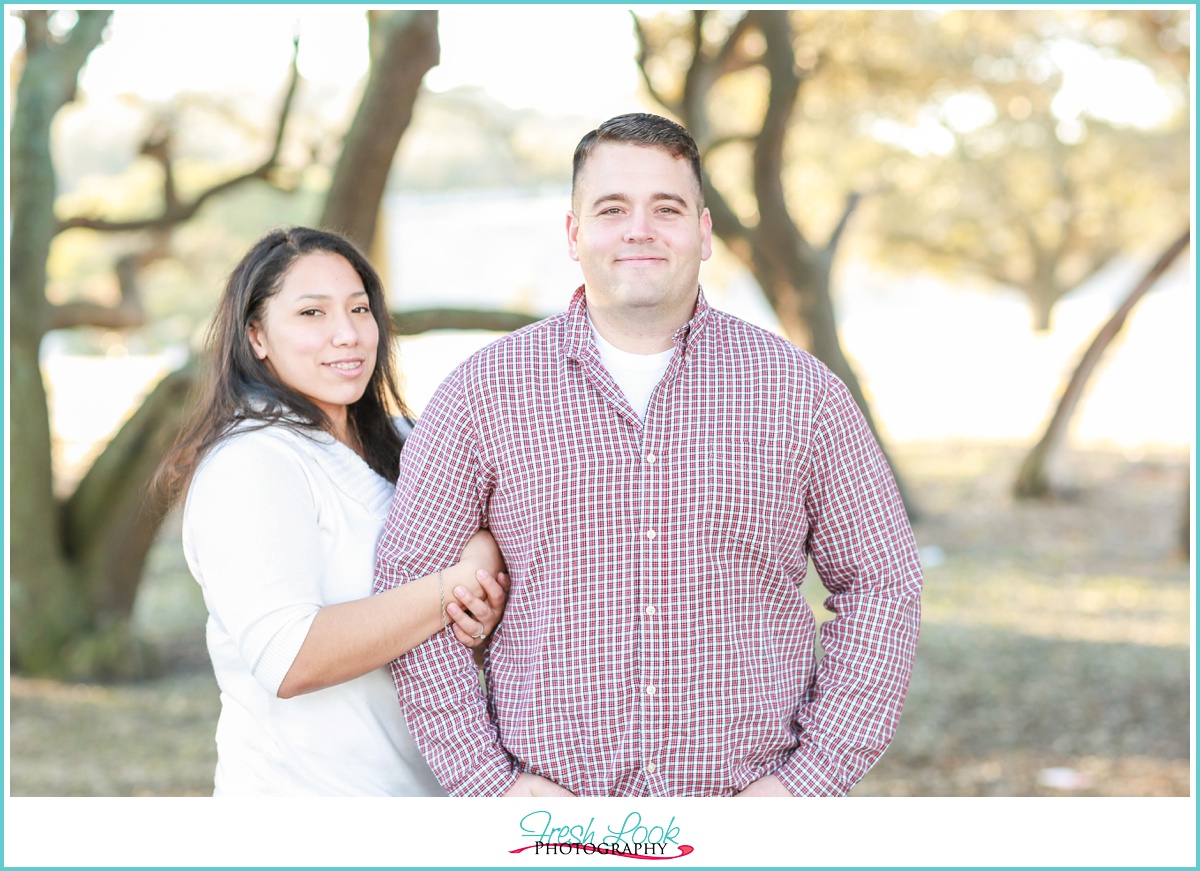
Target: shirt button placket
652,569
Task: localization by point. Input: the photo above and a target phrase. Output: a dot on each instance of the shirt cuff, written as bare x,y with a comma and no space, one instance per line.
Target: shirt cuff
280,653
809,772
493,776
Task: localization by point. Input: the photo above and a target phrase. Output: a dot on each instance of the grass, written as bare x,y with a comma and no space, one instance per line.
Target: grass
1054,655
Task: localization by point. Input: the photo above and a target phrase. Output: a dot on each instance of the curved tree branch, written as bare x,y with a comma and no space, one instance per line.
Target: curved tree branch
404,46
175,212
852,201
413,322
129,312
643,55
1032,479
729,58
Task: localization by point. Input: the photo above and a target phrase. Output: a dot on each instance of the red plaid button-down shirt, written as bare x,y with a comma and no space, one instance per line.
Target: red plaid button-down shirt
656,641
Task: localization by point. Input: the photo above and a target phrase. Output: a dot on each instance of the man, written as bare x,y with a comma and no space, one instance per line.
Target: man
657,474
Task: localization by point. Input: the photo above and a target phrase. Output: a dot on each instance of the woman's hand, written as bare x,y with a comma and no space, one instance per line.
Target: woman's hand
481,552
476,617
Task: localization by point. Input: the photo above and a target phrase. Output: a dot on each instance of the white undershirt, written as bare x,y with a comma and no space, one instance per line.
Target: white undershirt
636,374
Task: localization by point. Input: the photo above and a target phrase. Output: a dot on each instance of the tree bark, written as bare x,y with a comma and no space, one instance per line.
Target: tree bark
795,276
110,520
77,565
1033,479
404,47
47,606
417,321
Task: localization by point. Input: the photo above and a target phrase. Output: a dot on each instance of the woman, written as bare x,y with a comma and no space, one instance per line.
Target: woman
289,465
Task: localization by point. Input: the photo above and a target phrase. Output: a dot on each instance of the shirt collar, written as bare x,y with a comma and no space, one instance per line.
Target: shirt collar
579,339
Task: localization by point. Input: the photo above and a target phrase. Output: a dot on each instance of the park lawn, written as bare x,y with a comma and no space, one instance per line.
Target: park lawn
1054,656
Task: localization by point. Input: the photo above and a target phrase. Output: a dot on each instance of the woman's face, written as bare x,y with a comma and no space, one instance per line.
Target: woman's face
317,334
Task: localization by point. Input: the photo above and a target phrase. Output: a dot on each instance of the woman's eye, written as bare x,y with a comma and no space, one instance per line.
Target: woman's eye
311,311
362,309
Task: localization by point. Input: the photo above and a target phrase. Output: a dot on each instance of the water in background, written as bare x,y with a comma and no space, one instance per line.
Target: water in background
938,361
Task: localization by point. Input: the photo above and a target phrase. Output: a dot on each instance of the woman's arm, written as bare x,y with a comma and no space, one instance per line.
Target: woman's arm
350,639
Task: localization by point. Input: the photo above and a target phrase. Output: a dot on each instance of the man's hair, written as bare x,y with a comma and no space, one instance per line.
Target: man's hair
640,128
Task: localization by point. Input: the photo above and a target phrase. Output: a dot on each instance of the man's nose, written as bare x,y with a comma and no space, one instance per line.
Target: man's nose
638,228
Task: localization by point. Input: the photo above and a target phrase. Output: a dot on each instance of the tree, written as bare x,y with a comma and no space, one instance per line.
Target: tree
404,46
756,222
1033,480
77,562
1018,185
46,609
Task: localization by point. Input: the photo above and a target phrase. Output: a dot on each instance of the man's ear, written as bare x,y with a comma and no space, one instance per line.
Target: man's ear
572,236
705,235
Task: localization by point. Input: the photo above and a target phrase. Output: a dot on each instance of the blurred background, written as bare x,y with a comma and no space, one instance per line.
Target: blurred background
978,218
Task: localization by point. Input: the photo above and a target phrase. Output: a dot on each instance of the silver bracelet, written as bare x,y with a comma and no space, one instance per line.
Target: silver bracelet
442,599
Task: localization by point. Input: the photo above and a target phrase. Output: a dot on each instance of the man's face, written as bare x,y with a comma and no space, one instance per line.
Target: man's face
638,232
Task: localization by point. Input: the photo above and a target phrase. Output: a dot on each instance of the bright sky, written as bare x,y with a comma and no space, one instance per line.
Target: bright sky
557,58
571,59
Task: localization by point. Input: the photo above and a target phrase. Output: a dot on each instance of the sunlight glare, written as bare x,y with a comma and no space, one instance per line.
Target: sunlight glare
965,112
928,136
333,44
573,59
159,51
1118,91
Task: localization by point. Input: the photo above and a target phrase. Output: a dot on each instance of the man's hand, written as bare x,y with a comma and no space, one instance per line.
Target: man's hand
768,786
532,786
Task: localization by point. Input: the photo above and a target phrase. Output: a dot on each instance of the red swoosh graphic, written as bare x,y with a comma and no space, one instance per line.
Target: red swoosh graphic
684,850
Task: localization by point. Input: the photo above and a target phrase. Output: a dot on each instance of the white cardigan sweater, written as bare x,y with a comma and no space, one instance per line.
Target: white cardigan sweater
276,525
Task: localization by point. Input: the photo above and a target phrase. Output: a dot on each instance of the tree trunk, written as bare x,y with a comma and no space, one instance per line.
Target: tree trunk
798,291
77,566
1033,480
794,275
1041,307
1185,518
110,523
404,46
111,519
47,604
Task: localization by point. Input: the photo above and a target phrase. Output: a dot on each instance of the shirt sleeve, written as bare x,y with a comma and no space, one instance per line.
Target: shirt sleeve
440,501
863,549
251,521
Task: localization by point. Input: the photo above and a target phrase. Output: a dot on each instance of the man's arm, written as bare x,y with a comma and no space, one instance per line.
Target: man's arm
863,550
441,495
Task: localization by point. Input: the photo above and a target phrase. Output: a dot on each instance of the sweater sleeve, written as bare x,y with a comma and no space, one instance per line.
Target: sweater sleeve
252,541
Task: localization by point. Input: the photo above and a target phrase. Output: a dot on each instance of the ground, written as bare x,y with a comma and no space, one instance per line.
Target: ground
1054,656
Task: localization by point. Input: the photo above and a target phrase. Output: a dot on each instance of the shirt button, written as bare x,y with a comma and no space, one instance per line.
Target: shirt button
650,767
651,534
651,690
650,458
651,610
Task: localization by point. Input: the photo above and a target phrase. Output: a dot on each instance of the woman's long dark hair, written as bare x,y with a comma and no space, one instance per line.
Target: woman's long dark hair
238,387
